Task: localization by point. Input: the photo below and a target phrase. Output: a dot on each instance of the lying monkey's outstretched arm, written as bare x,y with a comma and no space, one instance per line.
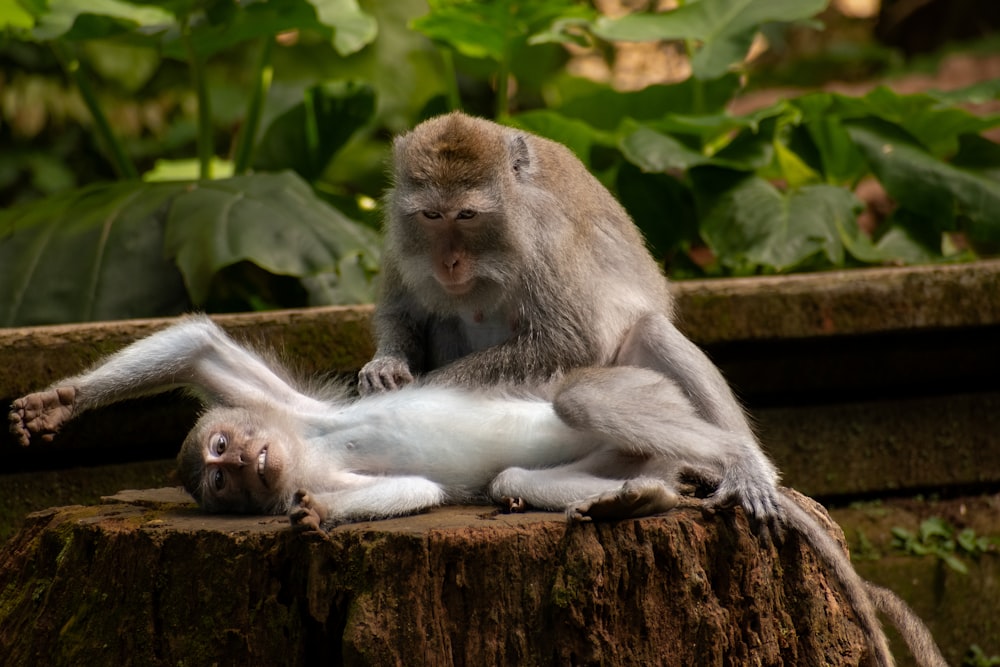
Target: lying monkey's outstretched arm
373,498
194,353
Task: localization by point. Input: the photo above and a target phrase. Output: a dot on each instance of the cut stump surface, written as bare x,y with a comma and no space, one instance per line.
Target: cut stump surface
146,578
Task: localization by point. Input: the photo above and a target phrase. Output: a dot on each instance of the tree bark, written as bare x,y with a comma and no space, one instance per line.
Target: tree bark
147,579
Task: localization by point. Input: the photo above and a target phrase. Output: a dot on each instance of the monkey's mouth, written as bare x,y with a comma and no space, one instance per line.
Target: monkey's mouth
457,288
262,465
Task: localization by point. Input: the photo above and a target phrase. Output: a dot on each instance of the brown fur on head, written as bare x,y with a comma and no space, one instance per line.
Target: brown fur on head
457,152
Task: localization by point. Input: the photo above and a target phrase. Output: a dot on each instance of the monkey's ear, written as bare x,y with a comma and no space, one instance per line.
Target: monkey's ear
520,156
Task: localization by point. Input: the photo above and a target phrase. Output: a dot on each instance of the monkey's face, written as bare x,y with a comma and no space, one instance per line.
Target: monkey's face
234,460
451,247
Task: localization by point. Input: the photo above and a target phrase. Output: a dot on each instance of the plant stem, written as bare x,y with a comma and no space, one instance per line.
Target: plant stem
262,83
451,76
122,163
697,85
205,141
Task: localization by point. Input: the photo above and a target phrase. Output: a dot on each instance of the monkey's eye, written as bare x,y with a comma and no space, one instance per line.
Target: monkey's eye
218,479
466,214
219,443
431,215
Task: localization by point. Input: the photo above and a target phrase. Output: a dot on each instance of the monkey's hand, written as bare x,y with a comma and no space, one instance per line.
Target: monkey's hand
643,496
41,414
307,514
384,374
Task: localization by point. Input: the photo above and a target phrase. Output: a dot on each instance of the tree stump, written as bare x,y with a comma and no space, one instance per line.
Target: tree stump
147,579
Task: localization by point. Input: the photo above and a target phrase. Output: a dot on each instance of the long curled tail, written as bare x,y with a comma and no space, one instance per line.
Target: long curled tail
916,635
854,588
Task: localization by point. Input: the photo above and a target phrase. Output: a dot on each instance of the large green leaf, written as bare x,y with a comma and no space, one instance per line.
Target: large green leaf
913,177
493,29
91,254
604,107
653,150
92,19
272,220
306,137
935,124
752,224
724,28
341,21
113,251
13,16
213,25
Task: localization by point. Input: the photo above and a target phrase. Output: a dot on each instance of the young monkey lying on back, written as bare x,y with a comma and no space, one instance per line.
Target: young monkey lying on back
264,446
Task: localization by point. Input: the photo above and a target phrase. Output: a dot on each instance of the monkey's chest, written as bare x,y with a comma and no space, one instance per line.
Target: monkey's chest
482,331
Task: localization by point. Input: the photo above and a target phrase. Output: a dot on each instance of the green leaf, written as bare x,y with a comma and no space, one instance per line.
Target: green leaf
108,251
935,527
752,224
654,151
922,183
91,19
899,244
954,562
350,283
840,159
306,137
91,254
724,28
661,206
130,66
967,540
794,170
353,29
185,170
934,124
493,29
272,220
576,135
603,107
15,17
340,21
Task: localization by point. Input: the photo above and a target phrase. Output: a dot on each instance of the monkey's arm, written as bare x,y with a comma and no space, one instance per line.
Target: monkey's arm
373,498
193,353
401,334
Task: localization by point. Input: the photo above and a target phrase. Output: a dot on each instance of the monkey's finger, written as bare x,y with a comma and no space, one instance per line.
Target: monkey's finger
16,427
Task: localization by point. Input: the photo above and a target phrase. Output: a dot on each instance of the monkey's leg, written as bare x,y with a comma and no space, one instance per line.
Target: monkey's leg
379,498
655,343
643,496
583,495
748,477
646,414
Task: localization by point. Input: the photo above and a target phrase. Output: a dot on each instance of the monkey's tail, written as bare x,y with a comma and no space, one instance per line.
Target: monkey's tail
854,586
916,635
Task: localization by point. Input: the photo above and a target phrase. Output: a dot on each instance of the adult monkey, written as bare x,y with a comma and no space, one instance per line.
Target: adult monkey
506,261
610,444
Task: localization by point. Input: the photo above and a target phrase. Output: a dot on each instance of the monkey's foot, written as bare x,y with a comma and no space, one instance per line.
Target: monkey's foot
41,414
758,495
307,515
635,498
513,505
